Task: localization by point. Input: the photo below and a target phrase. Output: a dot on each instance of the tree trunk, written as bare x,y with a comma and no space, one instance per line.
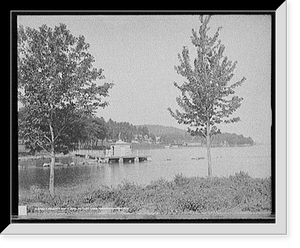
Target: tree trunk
52,164
208,146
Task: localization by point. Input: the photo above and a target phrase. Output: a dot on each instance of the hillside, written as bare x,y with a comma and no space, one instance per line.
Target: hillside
160,130
173,135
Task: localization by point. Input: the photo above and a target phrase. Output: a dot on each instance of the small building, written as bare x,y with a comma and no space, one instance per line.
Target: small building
120,149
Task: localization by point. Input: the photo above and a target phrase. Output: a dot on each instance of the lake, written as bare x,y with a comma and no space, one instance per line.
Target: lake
166,163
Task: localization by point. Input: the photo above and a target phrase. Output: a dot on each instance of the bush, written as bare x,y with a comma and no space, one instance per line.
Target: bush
130,196
39,194
180,180
181,195
105,194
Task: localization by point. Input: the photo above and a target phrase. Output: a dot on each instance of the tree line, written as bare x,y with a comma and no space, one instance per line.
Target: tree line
96,133
87,132
176,136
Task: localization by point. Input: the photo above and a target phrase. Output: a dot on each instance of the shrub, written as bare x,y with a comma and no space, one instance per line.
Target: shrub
196,204
160,184
105,194
181,195
180,180
130,196
39,194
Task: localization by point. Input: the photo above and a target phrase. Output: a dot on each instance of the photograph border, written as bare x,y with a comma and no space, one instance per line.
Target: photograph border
275,97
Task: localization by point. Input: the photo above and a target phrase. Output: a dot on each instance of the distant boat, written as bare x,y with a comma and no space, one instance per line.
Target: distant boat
198,158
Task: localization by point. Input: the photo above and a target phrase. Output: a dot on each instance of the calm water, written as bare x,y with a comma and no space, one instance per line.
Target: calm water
166,163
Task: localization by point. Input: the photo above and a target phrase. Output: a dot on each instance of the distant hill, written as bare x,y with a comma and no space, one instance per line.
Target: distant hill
160,130
173,135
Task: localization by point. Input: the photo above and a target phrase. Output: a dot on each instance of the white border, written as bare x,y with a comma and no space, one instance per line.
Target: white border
279,228
281,118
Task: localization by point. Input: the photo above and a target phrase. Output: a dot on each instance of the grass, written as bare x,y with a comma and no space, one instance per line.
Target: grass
182,195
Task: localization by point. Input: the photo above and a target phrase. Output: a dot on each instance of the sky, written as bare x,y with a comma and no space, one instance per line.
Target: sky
138,54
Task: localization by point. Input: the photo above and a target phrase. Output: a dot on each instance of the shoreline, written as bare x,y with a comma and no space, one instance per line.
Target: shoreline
182,196
134,148
66,159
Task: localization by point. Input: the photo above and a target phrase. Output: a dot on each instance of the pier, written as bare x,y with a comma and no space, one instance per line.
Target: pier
119,152
112,159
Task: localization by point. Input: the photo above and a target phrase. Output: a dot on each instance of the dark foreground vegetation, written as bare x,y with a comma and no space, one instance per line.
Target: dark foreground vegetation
234,194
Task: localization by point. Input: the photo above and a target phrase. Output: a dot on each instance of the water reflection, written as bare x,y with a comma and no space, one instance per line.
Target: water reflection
166,163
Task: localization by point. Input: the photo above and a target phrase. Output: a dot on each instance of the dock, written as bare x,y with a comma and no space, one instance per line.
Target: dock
125,159
119,152
112,159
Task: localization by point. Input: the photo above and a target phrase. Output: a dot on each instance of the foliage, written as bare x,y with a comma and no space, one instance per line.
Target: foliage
232,139
87,132
56,85
37,137
127,131
172,135
92,130
167,135
205,99
183,195
205,94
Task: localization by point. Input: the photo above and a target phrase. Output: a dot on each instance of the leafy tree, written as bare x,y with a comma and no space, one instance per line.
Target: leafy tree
127,130
101,128
92,129
57,85
205,96
143,130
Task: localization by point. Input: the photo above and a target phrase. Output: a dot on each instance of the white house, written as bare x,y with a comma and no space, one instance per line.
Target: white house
120,149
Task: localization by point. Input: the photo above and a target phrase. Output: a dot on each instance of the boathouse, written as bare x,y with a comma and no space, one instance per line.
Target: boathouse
120,149
119,152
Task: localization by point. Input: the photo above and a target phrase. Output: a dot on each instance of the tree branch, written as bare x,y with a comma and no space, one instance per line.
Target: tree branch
36,141
59,132
47,138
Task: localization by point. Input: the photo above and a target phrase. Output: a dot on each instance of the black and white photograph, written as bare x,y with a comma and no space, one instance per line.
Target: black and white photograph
145,117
